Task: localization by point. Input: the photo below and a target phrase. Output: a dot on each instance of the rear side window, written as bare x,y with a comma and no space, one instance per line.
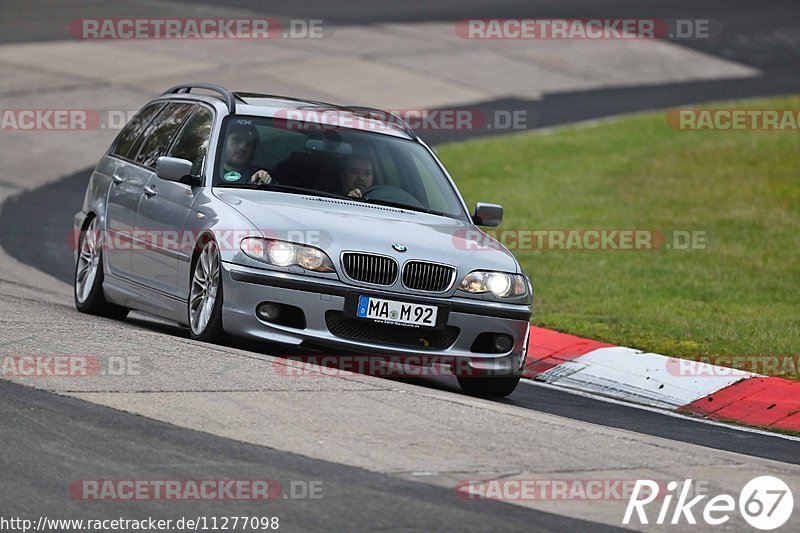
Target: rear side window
133,130
159,135
192,141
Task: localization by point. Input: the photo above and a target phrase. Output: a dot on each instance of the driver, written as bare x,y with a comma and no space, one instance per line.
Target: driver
357,176
240,146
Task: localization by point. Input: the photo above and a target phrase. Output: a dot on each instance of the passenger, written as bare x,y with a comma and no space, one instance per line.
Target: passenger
240,145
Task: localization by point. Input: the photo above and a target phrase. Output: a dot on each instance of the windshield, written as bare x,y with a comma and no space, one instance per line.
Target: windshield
363,166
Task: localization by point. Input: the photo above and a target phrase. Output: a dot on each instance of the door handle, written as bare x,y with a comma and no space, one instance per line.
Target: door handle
117,179
149,191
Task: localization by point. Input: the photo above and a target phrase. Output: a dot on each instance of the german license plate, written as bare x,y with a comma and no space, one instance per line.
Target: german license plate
392,312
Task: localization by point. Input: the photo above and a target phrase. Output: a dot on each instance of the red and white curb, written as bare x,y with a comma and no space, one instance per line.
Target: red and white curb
629,375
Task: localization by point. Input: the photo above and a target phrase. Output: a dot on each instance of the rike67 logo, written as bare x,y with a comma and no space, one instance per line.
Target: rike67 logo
765,503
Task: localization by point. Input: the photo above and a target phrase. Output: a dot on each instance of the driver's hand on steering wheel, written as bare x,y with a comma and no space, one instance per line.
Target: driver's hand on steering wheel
261,177
355,193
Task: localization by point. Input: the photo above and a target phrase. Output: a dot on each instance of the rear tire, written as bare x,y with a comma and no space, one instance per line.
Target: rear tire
88,281
490,386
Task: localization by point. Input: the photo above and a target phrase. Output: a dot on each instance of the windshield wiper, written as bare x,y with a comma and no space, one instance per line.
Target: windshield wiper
409,207
277,187
299,190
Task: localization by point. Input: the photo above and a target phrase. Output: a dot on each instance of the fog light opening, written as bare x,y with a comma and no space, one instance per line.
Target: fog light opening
492,342
268,312
503,343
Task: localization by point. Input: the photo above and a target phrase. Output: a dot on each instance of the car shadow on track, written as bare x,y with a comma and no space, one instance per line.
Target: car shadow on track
329,362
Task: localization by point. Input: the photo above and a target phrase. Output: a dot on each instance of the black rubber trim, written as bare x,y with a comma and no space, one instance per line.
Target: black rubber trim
284,283
482,310
322,288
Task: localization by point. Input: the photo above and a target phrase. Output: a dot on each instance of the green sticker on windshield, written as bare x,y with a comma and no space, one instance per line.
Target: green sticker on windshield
231,176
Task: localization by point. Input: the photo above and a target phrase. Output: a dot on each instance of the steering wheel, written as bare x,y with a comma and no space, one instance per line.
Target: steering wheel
389,193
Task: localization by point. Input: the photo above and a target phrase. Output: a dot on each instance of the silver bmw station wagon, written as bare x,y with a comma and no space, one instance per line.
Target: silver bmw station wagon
302,223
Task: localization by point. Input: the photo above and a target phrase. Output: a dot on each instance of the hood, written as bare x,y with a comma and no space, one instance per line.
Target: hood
336,225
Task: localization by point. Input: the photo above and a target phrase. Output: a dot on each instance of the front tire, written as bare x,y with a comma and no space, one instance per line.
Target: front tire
490,386
205,296
88,282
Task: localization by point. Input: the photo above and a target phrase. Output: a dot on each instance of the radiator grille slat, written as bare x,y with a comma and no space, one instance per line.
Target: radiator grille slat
369,268
431,277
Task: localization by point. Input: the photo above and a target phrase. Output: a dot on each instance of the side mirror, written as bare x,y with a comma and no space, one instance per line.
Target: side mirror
174,169
487,214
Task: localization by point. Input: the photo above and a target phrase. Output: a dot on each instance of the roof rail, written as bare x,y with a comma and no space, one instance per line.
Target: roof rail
381,114
227,96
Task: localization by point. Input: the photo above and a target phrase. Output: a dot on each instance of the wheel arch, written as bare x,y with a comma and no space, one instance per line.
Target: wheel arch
202,239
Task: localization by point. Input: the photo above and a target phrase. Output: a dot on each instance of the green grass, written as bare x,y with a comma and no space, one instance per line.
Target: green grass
739,296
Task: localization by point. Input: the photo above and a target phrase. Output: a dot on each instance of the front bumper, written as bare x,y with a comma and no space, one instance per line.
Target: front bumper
244,288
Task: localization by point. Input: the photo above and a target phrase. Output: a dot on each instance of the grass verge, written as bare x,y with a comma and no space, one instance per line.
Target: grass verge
739,295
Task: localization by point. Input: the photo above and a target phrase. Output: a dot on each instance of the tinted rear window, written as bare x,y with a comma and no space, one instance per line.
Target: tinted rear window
159,135
133,130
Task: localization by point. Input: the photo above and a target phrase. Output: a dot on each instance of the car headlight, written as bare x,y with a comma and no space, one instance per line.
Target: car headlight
499,284
284,254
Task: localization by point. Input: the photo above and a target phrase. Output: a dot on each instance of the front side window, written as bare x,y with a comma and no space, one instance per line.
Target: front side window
192,141
351,163
159,135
